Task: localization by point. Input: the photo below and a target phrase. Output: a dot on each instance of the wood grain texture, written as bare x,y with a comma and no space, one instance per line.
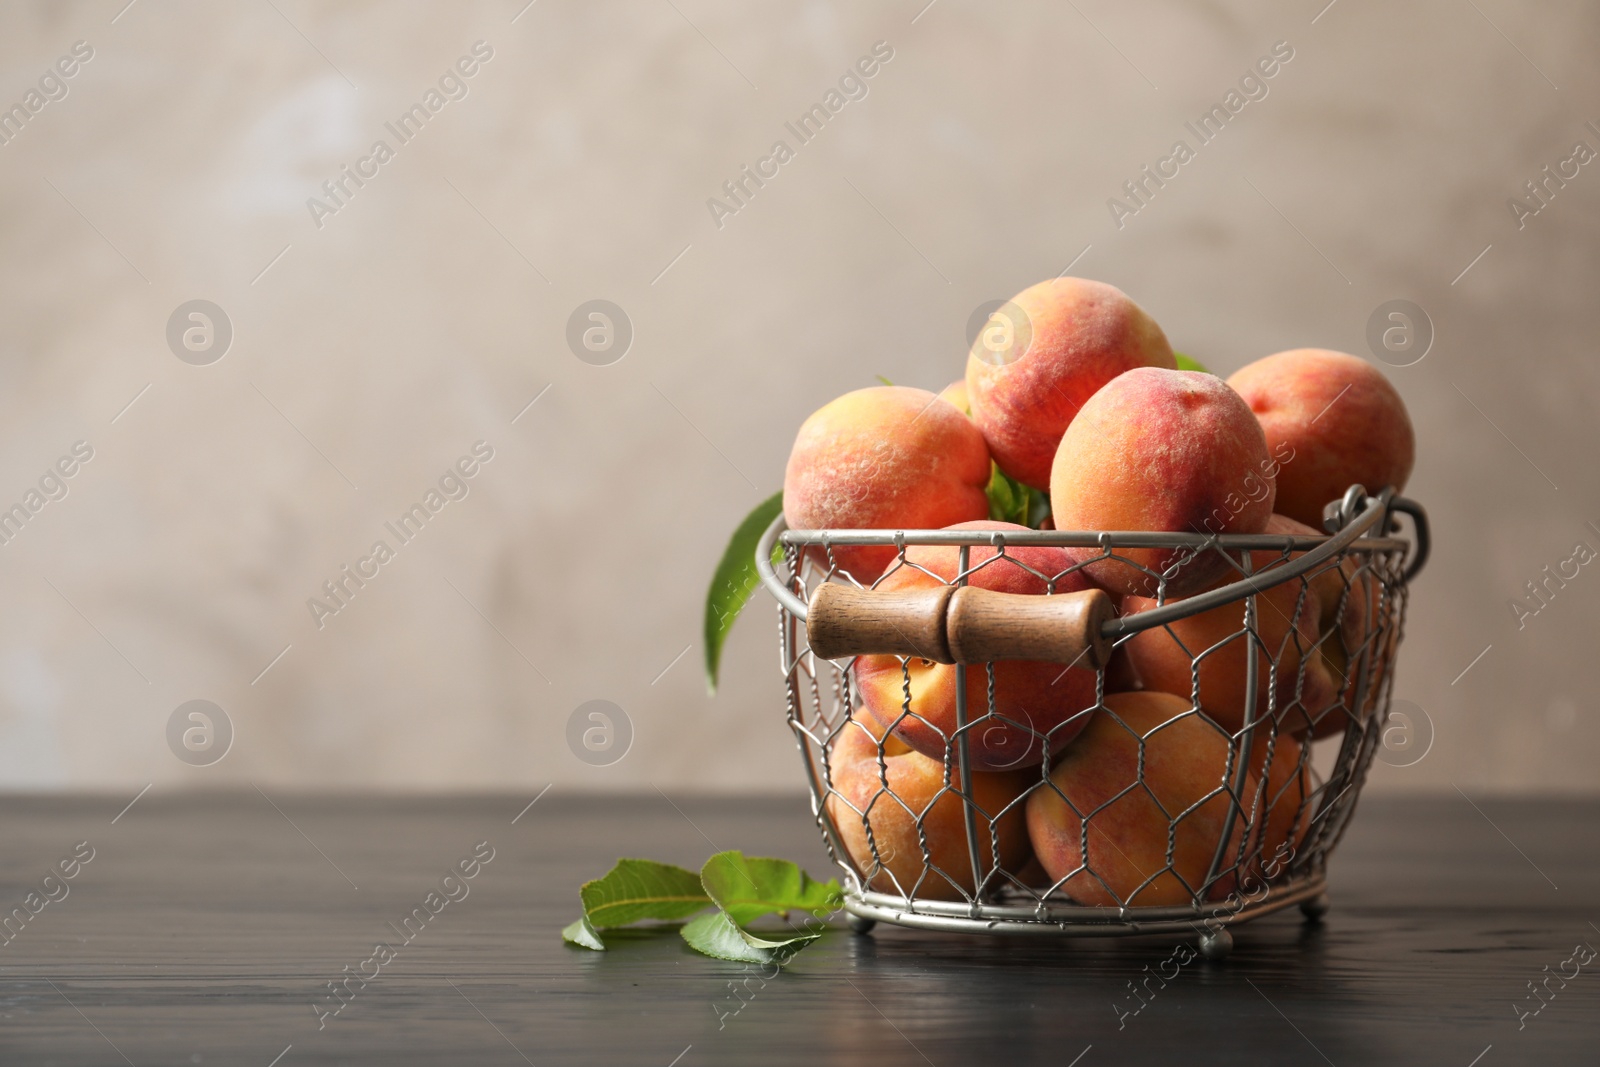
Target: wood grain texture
205,927
964,624
843,621
984,625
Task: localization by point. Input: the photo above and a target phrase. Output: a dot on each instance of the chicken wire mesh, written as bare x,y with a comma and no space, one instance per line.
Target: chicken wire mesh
1036,797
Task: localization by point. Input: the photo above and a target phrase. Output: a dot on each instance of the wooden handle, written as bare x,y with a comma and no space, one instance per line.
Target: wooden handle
844,621
949,624
983,625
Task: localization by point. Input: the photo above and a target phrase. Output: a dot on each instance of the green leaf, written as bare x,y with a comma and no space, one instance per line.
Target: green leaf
743,889
582,934
1004,502
716,935
1190,363
1038,508
734,580
1011,501
882,379
748,887
641,889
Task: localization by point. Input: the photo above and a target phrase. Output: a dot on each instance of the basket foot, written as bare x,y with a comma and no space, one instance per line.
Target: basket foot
1315,908
860,924
1216,945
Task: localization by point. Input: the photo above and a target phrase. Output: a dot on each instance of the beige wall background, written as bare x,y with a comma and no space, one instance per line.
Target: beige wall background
371,352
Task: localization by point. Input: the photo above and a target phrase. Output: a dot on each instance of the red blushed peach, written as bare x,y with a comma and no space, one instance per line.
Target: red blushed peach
1036,705
1166,451
1215,648
885,458
1336,420
1281,806
906,787
1135,854
1028,378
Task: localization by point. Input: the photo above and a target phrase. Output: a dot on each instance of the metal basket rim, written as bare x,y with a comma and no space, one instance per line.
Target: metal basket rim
1315,551
1073,919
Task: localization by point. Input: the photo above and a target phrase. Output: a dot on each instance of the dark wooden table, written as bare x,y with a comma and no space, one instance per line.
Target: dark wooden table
205,928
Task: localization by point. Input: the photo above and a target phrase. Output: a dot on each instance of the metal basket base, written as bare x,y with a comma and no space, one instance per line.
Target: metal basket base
1070,920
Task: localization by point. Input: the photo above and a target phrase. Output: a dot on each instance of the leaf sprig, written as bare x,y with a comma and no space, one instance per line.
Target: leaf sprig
741,888
1011,501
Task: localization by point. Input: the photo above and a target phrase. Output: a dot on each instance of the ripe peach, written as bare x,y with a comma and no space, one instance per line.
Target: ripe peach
1337,420
1028,378
1029,696
956,395
1282,807
1121,675
1162,450
885,458
1130,860
909,786
1343,596
1215,646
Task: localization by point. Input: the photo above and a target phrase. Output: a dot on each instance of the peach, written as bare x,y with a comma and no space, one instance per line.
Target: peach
1135,854
1167,451
1037,706
1332,420
1343,595
1041,358
1121,675
955,394
1343,663
1214,648
1281,806
885,458
909,786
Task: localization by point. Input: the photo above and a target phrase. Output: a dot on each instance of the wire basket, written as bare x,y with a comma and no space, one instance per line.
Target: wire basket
931,664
